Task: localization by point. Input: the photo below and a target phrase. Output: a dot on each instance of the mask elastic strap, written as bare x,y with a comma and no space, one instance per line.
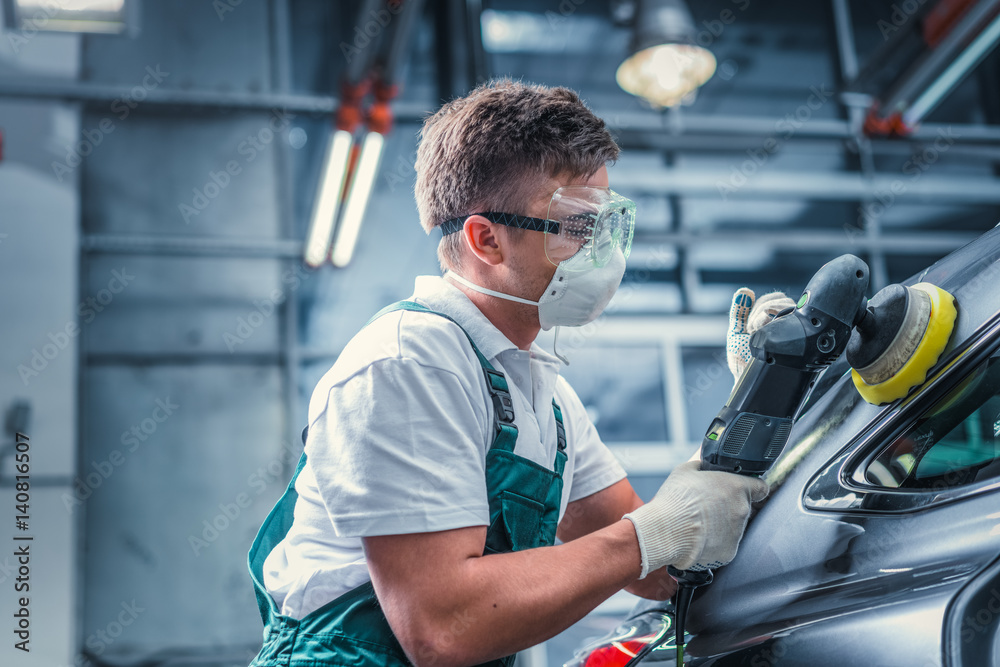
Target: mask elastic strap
500,295
482,290
555,343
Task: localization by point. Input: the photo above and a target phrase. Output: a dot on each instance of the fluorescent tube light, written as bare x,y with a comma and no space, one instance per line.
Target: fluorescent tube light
82,16
357,200
331,187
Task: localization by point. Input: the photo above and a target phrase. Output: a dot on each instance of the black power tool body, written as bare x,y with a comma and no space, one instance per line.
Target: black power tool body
787,355
892,344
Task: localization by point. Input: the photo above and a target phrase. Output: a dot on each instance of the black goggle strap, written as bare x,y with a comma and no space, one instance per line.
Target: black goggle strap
508,219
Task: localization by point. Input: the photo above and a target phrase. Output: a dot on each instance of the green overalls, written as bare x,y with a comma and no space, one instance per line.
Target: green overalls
524,500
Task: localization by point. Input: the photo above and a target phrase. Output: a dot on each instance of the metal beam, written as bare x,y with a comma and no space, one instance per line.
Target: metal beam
847,59
929,243
105,95
927,74
781,128
845,40
187,246
971,134
478,58
187,358
410,113
717,125
730,145
400,37
819,186
360,66
460,59
280,33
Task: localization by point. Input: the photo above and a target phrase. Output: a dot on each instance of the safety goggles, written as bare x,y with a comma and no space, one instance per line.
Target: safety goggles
587,221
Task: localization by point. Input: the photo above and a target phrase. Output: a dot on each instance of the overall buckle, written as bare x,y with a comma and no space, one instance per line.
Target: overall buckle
503,404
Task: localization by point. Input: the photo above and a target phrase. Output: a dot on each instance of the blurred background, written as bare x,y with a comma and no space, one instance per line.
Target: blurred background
201,202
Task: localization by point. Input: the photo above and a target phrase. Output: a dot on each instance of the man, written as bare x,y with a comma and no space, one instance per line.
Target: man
445,454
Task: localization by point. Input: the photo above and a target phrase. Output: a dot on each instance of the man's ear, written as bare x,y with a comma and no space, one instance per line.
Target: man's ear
481,240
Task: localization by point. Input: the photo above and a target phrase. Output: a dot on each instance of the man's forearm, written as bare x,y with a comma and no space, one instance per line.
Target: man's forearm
602,509
448,604
499,604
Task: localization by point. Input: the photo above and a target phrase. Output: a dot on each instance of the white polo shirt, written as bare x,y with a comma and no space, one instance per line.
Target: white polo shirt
398,433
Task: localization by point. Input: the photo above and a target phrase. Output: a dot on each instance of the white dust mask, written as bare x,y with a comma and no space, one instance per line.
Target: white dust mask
575,296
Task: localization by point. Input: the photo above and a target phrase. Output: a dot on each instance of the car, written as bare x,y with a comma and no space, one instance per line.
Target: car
880,541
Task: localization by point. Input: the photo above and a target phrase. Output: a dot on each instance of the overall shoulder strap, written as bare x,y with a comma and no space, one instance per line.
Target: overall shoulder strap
420,308
561,456
505,434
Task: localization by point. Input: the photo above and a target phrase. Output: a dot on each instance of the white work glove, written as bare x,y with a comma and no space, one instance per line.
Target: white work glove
697,517
746,317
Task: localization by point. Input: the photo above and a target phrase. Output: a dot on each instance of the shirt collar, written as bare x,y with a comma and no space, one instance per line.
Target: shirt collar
544,357
442,296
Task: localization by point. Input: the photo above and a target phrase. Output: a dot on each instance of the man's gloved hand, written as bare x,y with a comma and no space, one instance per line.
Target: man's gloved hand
746,317
765,308
697,516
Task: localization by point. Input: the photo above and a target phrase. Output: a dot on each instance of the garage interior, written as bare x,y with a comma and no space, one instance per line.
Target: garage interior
160,173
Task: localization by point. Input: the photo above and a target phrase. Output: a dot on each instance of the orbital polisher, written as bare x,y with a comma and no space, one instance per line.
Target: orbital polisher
892,342
899,340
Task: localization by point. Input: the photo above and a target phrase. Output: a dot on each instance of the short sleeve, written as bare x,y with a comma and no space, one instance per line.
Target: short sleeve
595,467
399,449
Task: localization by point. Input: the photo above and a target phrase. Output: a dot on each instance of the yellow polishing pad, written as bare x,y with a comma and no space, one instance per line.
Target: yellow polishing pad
939,327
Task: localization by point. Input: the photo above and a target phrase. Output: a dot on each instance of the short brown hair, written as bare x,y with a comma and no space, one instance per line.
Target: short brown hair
489,150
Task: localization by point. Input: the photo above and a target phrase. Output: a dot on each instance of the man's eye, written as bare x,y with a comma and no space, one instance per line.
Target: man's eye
580,225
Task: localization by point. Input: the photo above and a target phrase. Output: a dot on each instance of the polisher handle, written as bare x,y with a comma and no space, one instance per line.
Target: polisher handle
787,355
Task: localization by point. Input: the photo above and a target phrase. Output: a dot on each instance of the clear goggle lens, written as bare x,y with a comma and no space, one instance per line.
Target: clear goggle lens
594,222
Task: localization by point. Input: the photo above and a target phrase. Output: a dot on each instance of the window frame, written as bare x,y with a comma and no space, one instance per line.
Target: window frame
669,334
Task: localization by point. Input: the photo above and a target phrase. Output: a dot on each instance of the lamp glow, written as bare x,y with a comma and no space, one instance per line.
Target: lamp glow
665,74
331,187
83,16
357,199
